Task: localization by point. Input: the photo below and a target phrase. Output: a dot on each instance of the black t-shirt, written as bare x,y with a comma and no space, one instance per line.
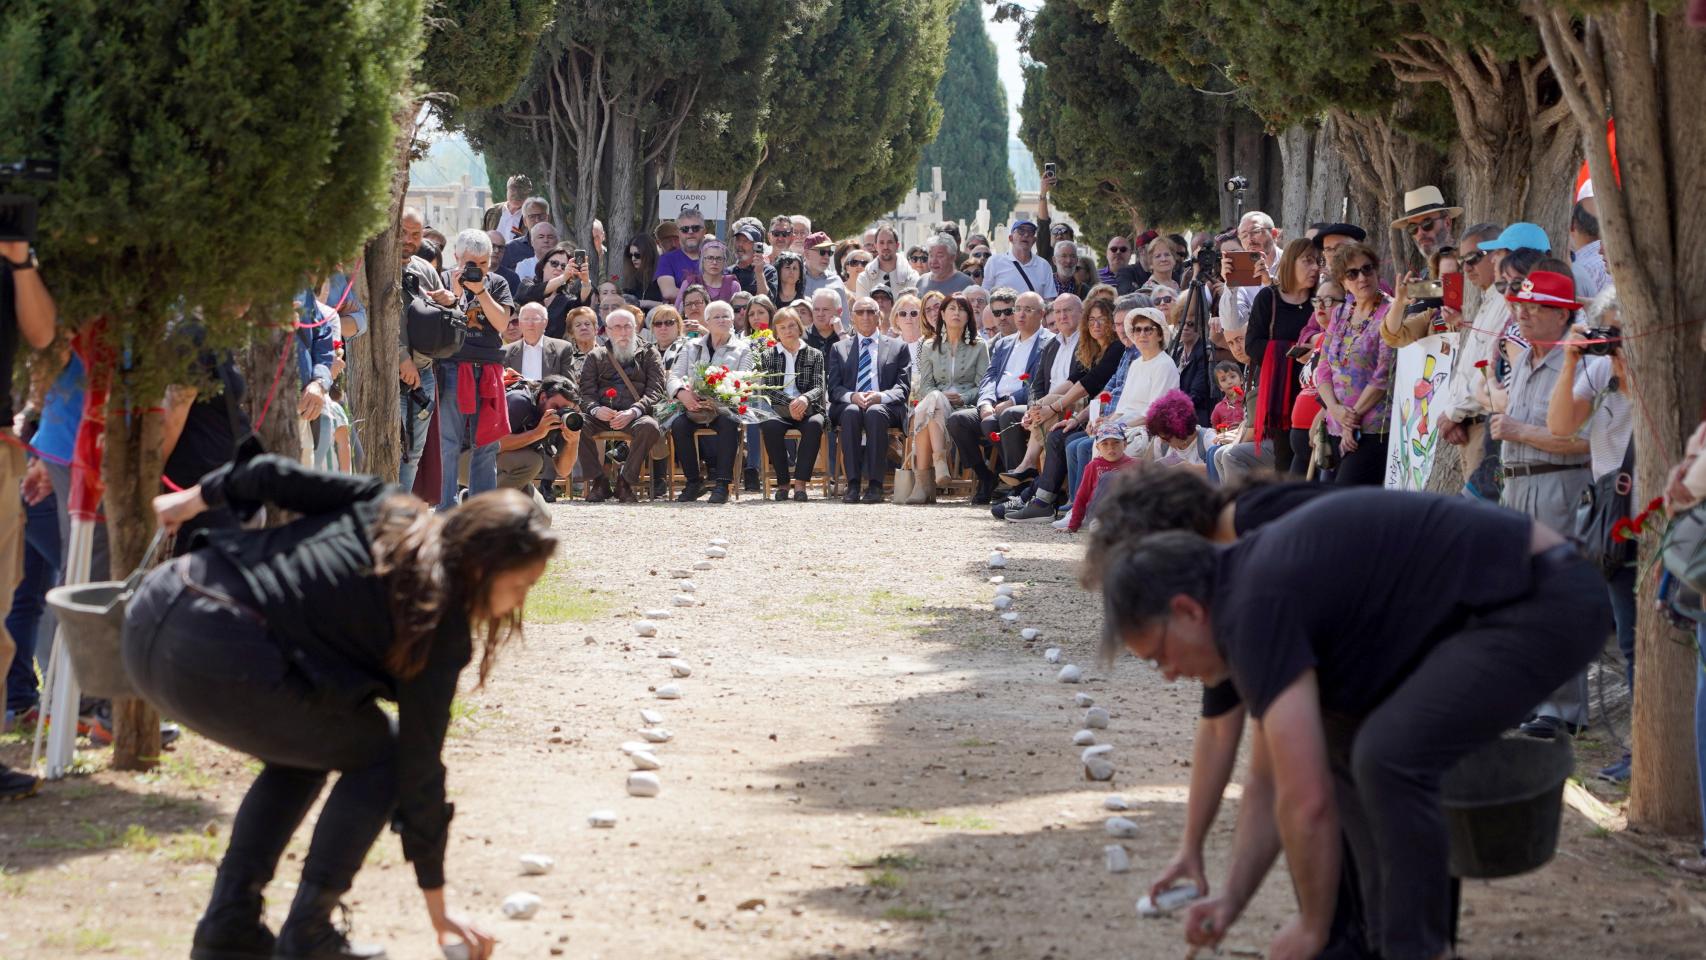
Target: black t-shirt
484,343
524,414
8,341
1359,587
1251,509
749,281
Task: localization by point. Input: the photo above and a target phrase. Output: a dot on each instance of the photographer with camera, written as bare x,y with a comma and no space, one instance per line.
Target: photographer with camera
544,427
26,308
1246,274
414,371
470,382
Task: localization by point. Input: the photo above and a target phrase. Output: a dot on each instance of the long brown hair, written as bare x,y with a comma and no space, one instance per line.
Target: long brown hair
436,565
1090,349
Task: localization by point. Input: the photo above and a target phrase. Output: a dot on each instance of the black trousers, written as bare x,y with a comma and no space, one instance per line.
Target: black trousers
1476,684
865,441
970,434
811,437
196,650
1300,453
723,447
1366,466
1052,481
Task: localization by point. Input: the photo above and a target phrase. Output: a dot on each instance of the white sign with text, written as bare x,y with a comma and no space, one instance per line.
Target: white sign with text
711,204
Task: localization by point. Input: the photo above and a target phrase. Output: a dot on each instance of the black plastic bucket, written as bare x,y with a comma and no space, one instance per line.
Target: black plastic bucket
1503,804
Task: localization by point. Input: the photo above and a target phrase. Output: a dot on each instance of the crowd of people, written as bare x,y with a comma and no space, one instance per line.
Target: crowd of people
1211,384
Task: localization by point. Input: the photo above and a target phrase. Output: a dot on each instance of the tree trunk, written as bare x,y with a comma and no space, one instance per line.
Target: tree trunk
131,467
374,358
269,366
1296,162
1645,71
1329,182
649,199
625,173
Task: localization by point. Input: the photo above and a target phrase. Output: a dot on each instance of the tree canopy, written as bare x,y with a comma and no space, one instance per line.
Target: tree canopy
971,147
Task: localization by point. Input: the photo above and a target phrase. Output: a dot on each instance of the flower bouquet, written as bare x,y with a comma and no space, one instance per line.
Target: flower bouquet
734,392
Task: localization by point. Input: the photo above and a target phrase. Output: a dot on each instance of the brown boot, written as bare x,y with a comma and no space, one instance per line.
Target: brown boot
598,491
625,491
923,486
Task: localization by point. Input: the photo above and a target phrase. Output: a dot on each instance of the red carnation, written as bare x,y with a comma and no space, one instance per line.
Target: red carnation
741,409
1480,364
610,394
1023,377
1654,504
994,437
1623,530
1106,397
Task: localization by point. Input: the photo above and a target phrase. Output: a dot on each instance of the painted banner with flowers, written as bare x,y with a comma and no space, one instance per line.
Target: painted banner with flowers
1419,372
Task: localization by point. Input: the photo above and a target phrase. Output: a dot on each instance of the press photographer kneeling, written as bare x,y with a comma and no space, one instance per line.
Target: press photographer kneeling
544,428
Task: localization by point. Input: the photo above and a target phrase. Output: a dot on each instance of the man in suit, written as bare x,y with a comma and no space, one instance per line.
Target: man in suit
1004,390
622,398
536,356
869,378
534,211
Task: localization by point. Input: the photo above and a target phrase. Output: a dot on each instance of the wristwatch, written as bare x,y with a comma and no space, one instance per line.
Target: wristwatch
30,261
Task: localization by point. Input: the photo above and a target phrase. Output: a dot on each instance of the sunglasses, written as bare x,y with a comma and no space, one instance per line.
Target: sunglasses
918,258
1140,331
633,254
1424,226
858,262
697,229
1162,301
1326,303
1002,313
1470,261
863,310
740,307
666,323
781,233
559,264
906,313
1368,270
1119,249
1506,285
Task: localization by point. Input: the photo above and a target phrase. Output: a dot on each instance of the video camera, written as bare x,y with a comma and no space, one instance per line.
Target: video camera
18,211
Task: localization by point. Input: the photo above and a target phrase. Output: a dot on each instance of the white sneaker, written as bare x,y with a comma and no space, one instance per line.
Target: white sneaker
1062,523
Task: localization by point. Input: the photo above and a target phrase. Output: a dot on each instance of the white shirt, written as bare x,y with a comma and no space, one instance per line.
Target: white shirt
1588,265
1003,270
788,388
524,271
912,348
1144,381
1479,341
1235,310
899,280
1062,366
507,222
1612,421
1018,359
532,361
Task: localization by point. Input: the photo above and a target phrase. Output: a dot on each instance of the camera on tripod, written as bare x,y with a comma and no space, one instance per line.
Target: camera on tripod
18,211
1236,184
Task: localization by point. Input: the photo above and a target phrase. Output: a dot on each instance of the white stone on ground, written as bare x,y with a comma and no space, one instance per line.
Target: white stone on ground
669,691
1004,547
650,716
669,653
686,600
1083,699
1099,768
1117,859
687,586
998,578
659,614
534,864
997,560
1003,602
1084,738
703,565
1120,827
644,784
645,628
1096,718
1004,590
1169,901
1010,617
679,668
1052,655
1030,633
1070,674
657,735
716,553
645,760
1115,802
521,906
601,819
680,574
719,542
631,747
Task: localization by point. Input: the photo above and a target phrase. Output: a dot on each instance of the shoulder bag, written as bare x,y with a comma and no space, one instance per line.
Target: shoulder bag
1606,501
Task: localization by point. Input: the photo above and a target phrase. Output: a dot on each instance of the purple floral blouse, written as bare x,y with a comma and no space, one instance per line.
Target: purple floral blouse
1350,362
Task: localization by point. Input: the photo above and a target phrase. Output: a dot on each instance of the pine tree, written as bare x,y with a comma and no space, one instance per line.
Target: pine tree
971,147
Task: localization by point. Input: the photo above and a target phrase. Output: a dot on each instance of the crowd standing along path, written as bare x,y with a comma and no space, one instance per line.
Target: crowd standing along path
863,758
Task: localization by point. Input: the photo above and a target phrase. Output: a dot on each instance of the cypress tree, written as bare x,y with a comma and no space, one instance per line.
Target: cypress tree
971,147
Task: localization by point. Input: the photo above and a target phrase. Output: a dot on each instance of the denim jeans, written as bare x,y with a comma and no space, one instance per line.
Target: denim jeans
456,432
414,426
1622,587
30,619
1079,450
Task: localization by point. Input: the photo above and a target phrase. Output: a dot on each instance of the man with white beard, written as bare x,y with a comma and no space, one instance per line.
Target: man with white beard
621,384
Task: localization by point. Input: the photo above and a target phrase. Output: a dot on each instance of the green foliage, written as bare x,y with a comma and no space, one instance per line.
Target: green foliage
852,113
971,148
476,48
211,153
1129,140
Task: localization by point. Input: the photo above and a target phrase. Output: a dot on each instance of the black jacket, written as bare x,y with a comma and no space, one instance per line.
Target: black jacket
313,580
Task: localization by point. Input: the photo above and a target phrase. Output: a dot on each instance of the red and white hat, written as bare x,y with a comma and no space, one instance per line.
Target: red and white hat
1547,289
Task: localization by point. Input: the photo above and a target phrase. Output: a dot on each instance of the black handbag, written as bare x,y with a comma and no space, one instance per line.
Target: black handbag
1606,501
433,331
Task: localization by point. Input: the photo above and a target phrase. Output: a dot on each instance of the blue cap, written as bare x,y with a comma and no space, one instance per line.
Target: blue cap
1020,223
1109,429
1520,236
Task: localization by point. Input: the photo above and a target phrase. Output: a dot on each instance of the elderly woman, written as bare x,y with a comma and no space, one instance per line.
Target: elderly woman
1328,298
908,319
1354,375
718,347
713,262
1277,318
946,377
1163,260
794,383
583,332
664,324
692,302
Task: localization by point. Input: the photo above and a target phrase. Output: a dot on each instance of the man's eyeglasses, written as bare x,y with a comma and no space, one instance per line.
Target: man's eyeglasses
1326,303
1368,270
781,233
1001,313
695,228
860,311
1470,261
1505,285
1424,226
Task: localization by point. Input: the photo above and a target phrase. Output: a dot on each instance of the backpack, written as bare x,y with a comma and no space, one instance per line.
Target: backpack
432,331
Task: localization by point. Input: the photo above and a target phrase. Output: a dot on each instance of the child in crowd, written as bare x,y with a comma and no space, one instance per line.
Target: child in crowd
1229,412
1110,456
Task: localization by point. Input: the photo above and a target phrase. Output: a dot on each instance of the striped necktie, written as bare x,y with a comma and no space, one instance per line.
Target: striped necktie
867,379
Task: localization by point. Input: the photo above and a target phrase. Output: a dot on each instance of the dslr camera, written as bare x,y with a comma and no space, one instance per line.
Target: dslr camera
471,273
18,211
1605,341
1236,184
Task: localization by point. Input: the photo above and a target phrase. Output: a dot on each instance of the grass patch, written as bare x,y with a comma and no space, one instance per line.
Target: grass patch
964,822
888,861
89,836
907,813
976,742
92,940
12,883
880,608
912,914
195,848
555,599
136,837
179,768
464,718
887,880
